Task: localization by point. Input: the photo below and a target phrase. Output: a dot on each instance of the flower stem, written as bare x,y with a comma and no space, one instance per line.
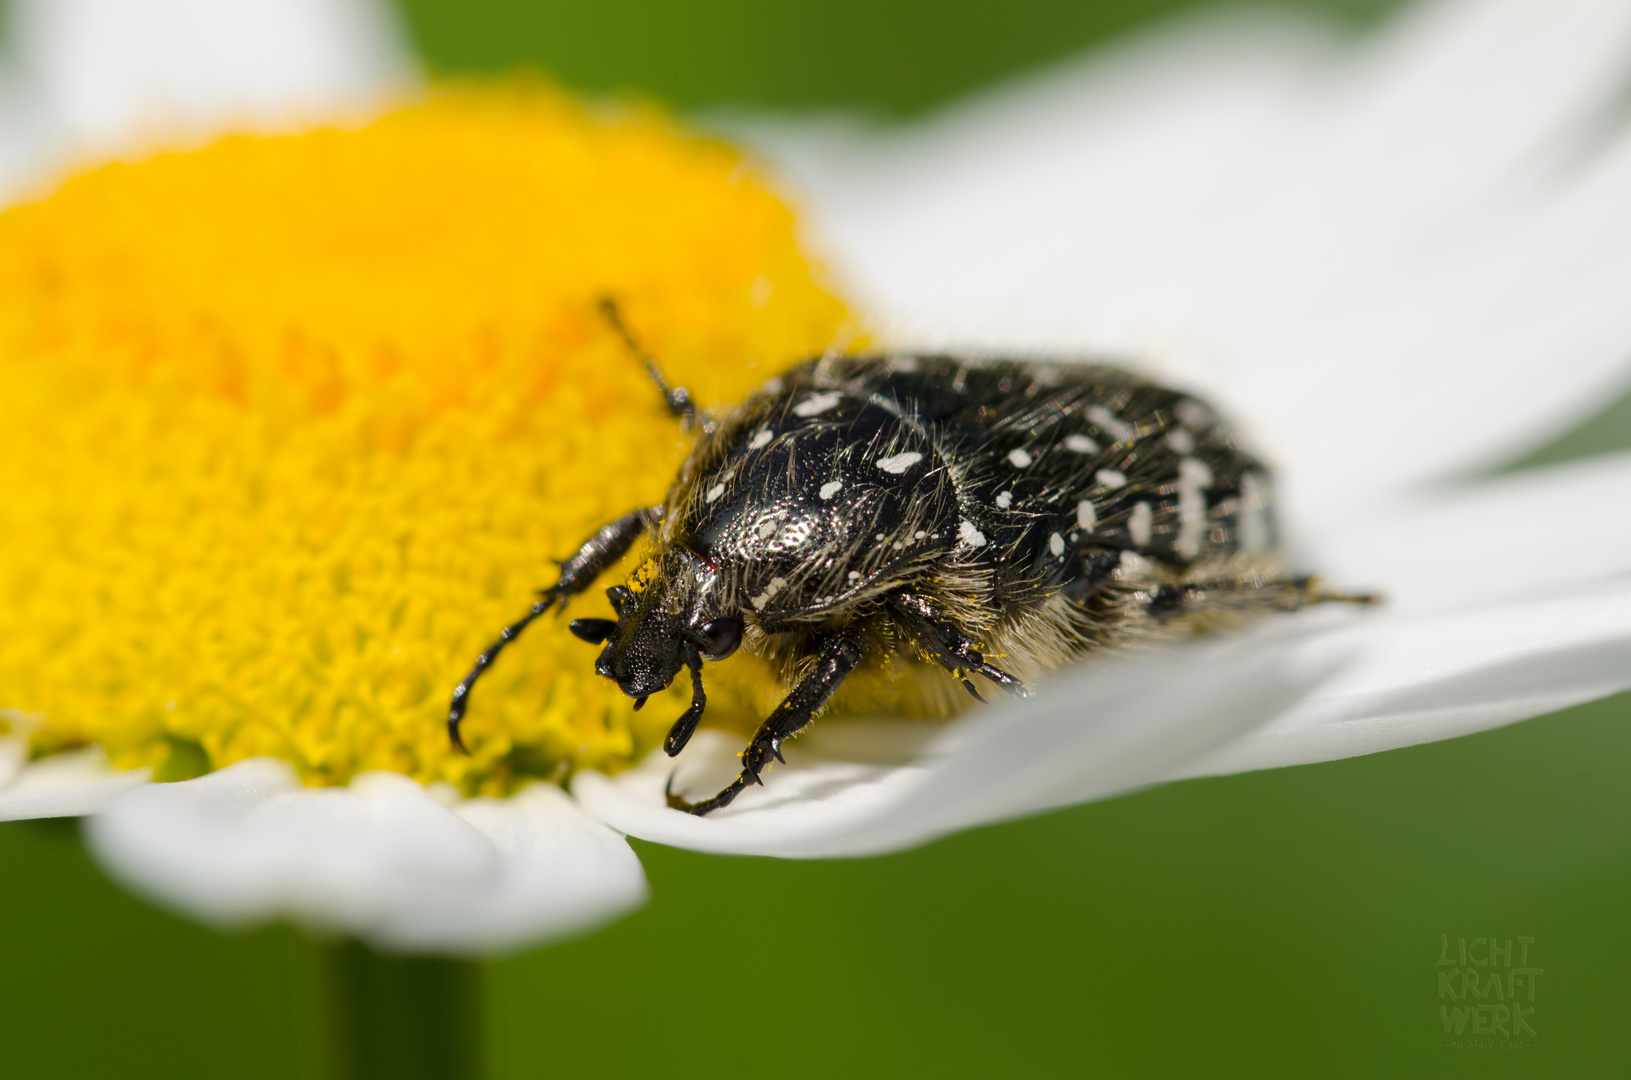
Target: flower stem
400,1017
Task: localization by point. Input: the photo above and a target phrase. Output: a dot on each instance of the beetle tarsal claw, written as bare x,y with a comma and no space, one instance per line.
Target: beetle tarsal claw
706,806
681,732
675,802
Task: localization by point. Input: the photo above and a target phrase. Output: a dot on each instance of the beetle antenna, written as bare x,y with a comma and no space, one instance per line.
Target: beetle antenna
678,398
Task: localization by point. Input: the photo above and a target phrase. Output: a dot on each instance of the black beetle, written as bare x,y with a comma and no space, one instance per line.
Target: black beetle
939,508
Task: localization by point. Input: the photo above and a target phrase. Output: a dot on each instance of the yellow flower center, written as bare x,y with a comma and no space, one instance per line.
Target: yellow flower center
295,425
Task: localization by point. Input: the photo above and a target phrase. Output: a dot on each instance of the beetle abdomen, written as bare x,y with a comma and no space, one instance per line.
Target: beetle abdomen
1052,460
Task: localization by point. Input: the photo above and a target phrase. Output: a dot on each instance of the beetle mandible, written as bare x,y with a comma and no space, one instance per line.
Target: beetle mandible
947,511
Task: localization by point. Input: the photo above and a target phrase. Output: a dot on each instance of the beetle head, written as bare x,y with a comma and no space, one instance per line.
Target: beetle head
662,625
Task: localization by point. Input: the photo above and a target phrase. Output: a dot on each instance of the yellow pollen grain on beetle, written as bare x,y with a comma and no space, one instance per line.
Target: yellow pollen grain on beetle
296,424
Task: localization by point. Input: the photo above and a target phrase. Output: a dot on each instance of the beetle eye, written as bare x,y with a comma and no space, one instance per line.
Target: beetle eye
618,595
720,637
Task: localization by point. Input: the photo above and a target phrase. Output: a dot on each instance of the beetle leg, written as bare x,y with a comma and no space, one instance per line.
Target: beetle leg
1244,593
609,544
839,657
941,639
680,733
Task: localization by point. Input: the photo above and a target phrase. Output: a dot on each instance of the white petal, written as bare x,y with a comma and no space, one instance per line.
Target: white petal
88,79
1062,179
1442,675
1088,735
1391,268
13,759
382,859
1525,536
69,784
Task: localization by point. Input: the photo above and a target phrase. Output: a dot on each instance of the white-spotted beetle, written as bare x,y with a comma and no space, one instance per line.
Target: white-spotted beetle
938,508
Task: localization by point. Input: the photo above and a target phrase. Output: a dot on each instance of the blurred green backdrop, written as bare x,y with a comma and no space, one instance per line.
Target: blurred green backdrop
880,56
1282,923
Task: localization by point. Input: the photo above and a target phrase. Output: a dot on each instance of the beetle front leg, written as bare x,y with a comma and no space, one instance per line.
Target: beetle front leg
941,639
686,725
593,557
840,654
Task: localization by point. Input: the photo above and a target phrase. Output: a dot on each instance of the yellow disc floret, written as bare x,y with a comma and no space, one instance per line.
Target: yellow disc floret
294,425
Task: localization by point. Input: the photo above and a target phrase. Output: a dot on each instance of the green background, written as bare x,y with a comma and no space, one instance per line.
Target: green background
1281,923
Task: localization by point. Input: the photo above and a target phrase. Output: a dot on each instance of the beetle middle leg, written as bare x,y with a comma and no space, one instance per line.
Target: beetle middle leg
839,655
593,557
941,638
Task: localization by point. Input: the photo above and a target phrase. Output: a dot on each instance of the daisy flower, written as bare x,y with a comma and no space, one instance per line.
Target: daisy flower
302,417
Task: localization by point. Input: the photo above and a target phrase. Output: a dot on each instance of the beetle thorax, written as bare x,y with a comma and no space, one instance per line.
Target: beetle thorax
811,501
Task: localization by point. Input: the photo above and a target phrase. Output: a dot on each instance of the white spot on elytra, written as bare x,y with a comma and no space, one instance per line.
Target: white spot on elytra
1081,444
715,492
767,530
1193,479
907,364
1140,522
1019,458
968,535
1134,566
899,463
776,585
1181,441
816,404
920,534
1086,517
1110,424
1056,544
1111,478
831,488
774,386
855,575
761,438
1194,471
1005,499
